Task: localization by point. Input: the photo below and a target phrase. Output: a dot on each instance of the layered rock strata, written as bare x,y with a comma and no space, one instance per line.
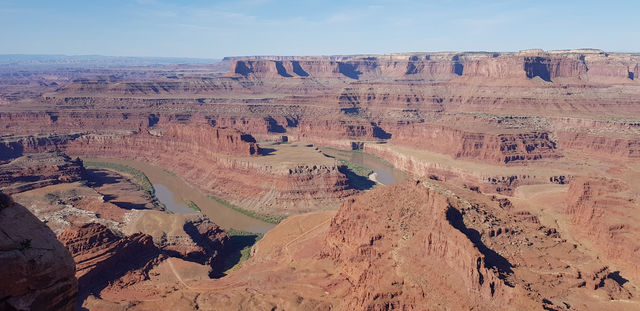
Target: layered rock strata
601,211
39,170
102,257
217,160
548,66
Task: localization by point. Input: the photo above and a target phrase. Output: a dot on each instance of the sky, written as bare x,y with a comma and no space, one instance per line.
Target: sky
214,29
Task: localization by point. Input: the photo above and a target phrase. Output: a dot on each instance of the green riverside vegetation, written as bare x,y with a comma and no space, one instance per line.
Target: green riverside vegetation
272,219
357,169
138,177
193,206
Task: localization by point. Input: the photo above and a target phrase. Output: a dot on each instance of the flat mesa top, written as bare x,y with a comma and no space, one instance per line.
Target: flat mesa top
292,154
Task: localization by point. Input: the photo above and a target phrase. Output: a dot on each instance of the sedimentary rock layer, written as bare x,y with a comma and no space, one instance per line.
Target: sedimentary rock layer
598,209
39,170
218,160
580,64
388,259
102,257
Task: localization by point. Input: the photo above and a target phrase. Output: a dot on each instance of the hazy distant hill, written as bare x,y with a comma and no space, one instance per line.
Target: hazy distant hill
95,60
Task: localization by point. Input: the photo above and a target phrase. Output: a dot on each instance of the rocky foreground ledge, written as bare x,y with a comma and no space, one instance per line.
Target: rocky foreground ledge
38,272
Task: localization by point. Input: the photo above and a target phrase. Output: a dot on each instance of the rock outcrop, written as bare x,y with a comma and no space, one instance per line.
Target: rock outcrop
601,145
498,148
102,257
390,258
37,270
193,238
39,170
108,263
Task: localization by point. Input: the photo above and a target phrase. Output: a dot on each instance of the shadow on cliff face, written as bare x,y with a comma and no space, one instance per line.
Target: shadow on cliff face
212,241
356,181
237,249
537,67
297,69
492,260
153,120
616,277
292,122
458,68
349,70
266,151
99,178
247,138
281,70
378,132
129,205
243,69
273,126
11,151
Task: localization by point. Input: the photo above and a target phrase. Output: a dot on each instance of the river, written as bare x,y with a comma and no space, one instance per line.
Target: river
174,192
173,204
386,173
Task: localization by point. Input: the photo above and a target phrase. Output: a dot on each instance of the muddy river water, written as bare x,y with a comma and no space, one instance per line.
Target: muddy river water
173,204
173,192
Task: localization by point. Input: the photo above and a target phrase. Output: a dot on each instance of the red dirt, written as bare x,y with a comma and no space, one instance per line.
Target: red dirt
497,135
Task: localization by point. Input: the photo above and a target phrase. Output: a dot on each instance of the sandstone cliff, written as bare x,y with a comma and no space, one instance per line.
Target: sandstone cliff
102,257
585,64
600,210
389,256
190,237
37,271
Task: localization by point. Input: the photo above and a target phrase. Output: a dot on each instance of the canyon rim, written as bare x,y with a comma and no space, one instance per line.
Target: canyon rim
353,178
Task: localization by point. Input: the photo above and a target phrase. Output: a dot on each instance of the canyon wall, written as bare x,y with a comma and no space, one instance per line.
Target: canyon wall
486,147
579,64
600,210
239,179
102,257
600,145
220,161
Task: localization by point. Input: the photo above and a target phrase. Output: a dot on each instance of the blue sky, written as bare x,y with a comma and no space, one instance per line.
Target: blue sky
213,29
